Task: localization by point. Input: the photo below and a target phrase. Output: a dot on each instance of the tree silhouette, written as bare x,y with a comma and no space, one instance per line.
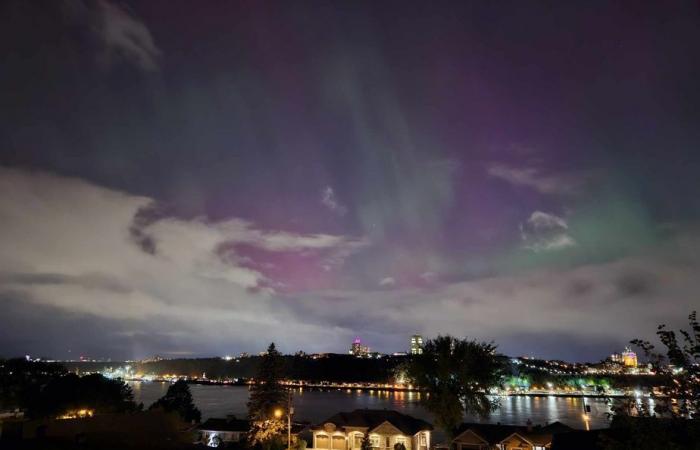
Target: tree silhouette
91,392
682,374
267,397
366,444
456,373
179,399
267,394
22,380
637,425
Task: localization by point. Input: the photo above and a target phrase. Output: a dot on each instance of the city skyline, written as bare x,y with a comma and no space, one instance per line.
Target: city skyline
185,180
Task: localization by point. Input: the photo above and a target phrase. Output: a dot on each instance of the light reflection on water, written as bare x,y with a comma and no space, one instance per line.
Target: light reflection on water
317,405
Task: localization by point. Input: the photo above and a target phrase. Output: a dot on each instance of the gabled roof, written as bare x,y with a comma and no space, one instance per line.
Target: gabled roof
372,418
239,425
492,433
470,432
520,436
556,427
496,433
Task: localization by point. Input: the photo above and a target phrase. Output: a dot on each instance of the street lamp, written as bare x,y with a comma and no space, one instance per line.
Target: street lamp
290,410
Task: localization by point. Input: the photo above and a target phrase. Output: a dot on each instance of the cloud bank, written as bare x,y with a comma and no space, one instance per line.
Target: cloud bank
73,253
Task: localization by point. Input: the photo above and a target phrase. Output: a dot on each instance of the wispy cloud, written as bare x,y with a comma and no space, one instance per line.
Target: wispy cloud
125,37
119,35
387,282
330,201
533,178
543,232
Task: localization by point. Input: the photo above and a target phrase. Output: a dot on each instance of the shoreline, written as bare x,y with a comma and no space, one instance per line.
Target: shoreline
389,388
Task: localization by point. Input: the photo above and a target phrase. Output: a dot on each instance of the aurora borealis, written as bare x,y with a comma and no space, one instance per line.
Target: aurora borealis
200,178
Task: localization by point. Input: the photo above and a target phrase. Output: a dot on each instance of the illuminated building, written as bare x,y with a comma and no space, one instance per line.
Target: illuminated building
385,429
357,349
77,414
627,358
416,344
222,432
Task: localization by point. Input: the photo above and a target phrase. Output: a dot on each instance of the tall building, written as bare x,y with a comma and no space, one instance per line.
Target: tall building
416,344
358,349
356,346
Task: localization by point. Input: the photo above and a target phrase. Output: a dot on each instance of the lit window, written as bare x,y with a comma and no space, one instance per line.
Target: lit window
358,441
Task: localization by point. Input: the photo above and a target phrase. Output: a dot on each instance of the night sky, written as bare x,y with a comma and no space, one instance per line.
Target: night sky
201,178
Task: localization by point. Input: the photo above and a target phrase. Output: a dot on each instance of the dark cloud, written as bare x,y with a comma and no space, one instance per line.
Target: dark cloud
636,284
567,346
580,288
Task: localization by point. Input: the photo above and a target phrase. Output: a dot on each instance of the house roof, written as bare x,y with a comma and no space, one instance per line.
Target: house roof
491,433
372,418
225,425
556,427
495,433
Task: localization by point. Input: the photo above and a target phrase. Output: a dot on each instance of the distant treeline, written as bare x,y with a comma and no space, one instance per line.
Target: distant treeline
347,368
334,367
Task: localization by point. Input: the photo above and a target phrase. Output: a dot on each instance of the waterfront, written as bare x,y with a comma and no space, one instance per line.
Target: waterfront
316,405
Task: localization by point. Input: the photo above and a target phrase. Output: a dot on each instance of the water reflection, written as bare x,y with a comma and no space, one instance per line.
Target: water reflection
316,405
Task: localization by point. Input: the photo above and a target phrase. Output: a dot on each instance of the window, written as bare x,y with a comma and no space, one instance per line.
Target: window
338,442
374,439
358,441
322,441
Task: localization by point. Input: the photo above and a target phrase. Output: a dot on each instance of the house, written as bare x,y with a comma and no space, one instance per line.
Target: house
345,431
477,436
221,432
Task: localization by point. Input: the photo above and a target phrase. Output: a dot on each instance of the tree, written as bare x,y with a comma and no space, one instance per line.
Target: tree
21,380
178,399
682,373
267,434
399,446
267,402
366,444
267,394
456,373
91,392
637,426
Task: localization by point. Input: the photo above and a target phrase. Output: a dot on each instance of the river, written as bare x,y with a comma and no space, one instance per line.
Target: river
317,405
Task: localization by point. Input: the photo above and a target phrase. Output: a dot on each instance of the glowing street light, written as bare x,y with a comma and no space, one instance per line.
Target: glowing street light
290,410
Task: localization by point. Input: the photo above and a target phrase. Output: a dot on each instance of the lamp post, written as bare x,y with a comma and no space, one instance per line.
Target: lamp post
290,411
